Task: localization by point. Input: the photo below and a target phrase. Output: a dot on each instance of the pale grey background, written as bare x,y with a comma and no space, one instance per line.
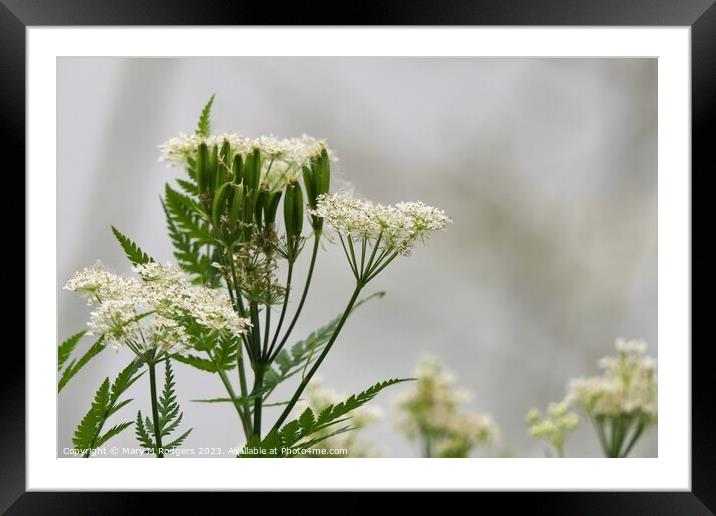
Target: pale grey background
547,166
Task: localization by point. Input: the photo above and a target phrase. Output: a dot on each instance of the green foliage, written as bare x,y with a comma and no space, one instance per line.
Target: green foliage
203,128
190,234
88,434
65,349
75,365
131,249
170,417
297,433
305,351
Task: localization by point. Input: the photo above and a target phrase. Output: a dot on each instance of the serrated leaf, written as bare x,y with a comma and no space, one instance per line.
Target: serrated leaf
115,430
198,362
142,434
73,367
189,187
313,442
131,249
307,420
290,433
203,127
106,402
179,440
86,432
189,236
332,415
65,349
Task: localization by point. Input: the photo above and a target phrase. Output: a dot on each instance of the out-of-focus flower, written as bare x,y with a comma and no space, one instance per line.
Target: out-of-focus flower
432,414
622,402
554,427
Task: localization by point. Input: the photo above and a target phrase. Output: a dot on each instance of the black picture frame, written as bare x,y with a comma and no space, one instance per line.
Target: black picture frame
700,15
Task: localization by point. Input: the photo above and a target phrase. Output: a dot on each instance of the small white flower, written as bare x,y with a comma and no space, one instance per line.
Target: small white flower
396,227
295,152
155,309
628,385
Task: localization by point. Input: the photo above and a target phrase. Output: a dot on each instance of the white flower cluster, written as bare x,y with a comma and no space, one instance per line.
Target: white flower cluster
554,426
159,309
628,385
292,151
398,227
433,410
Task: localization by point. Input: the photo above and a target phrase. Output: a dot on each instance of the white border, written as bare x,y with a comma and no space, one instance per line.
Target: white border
671,470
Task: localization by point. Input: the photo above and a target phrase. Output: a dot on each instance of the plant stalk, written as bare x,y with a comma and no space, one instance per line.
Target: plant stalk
258,401
155,410
319,360
314,254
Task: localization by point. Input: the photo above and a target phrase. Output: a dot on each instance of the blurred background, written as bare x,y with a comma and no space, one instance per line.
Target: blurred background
548,168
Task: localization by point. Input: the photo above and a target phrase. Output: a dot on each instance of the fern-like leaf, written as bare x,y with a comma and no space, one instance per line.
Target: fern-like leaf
115,430
75,365
168,409
200,363
131,249
142,434
65,349
302,432
203,128
88,434
86,431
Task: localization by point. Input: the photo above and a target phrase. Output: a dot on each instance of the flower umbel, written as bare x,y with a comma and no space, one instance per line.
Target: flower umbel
554,427
393,228
622,402
432,414
158,309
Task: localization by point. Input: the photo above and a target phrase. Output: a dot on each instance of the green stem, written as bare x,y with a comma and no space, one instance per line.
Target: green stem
239,304
428,452
559,451
255,328
289,278
239,409
599,427
350,260
155,410
267,329
242,385
319,360
379,267
634,439
314,254
258,401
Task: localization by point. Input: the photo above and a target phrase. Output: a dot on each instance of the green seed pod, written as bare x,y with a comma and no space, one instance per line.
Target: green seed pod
271,207
293,209
218,207
237,203
259,207
309,181
237,169
202,162
225,162
252,170
249,207
213,178
323,175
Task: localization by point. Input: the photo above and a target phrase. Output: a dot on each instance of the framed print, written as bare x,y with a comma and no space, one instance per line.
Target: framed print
429,257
